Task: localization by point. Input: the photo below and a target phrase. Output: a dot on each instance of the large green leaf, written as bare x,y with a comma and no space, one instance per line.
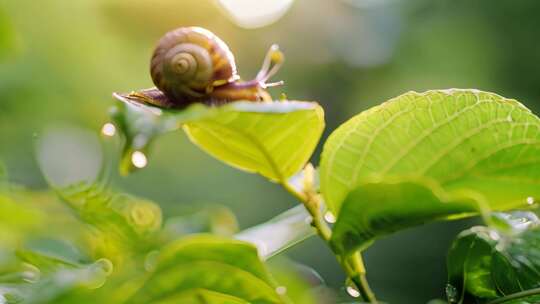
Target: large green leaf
218,270
459,143
274,139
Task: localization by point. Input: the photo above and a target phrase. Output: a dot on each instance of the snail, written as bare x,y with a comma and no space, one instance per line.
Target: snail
191,64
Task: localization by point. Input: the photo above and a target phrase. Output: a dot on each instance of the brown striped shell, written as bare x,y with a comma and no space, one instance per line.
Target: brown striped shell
189,62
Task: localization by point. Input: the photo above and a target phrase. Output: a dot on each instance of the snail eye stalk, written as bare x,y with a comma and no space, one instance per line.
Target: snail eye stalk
272,63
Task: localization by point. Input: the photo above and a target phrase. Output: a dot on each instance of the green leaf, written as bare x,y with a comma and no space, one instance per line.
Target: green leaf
213,219
459,143
516,264
131,220
376,209
49,254
279,233
138,127
221,270
296,280
469,265
52,271
487,263
274,139
62,283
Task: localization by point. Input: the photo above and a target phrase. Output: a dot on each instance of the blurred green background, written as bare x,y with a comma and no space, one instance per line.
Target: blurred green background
61,60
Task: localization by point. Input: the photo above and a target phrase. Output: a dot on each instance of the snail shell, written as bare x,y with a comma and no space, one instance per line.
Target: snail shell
189,62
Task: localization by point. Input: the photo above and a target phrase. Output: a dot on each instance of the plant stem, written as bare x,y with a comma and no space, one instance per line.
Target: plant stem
353,264
359,277
517,295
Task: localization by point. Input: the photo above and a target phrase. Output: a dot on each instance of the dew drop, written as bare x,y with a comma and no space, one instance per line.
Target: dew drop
530,200
31,274
353,292
139,159
281,290
105,265
150,261
451,293
329,217
108,129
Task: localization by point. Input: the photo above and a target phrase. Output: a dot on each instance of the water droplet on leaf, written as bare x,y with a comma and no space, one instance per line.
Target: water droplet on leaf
105,265
329,217
108,129
31,274
139,159
451,293
281,290
353,292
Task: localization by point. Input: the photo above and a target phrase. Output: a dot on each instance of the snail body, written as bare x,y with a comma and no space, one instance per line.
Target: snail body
191,64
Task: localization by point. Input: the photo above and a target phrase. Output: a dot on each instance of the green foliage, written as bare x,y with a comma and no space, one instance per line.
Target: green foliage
417,158
474,149
131,220
382,207
115,251
138,129
273,139
490,263
207,268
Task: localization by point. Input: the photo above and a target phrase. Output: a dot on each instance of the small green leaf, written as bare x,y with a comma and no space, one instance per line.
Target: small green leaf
516,264
50,254
469,265
486,263
274,139
283,231
63,283
465,143
129,219
138,127
229,270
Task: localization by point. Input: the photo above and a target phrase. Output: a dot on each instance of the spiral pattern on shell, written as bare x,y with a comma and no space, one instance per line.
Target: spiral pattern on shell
190,60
